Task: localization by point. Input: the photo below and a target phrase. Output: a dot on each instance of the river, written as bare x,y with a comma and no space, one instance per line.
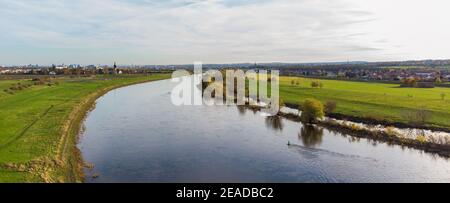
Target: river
135,134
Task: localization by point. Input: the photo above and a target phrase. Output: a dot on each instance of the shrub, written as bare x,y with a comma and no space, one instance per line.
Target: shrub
390,131
330,106
409,82
315,84
421,138
418,117
312,110
281,102
355,127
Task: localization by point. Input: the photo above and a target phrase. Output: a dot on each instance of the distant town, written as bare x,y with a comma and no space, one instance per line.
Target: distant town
429,72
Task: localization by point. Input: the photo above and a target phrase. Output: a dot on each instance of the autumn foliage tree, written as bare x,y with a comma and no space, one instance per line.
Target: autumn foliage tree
312,111
409,82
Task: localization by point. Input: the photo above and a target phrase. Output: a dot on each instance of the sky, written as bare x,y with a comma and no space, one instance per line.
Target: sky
221,31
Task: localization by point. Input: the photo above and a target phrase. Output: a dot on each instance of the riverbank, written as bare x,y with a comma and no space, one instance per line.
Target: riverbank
371,121
435,142
40,125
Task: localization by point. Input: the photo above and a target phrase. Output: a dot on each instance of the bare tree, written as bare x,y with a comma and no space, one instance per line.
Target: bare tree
418,117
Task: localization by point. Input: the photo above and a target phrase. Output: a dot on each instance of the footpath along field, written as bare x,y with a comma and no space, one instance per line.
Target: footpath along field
39,124
372,100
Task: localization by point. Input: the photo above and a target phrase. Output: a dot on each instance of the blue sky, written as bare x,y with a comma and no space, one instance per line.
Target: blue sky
221,31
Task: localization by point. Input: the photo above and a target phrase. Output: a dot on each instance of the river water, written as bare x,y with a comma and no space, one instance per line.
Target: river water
135,134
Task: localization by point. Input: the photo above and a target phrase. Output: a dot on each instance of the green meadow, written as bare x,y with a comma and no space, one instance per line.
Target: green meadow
39,124
372,100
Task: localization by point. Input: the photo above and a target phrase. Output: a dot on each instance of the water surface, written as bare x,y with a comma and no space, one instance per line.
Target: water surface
135,134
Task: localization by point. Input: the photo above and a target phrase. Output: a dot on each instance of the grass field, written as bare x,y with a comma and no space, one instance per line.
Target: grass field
372,100
37,141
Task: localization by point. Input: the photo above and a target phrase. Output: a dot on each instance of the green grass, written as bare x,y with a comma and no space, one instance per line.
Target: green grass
32,122
372,100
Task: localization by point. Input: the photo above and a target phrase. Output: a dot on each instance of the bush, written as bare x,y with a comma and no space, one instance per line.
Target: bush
390,131
355,127
421,138
409,82
40,80
312,110
281,102
330,106
8,91
315,84
418,117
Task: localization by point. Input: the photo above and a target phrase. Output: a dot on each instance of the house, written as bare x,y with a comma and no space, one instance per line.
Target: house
331,74
60,67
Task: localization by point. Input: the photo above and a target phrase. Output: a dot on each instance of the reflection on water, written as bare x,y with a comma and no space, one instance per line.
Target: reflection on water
311,135
135,134
241,109
274,122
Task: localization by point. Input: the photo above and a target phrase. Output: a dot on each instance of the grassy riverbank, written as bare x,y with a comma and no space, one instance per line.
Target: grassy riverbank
374,101
39,124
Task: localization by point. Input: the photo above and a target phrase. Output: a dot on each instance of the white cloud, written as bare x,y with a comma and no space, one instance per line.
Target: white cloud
218,31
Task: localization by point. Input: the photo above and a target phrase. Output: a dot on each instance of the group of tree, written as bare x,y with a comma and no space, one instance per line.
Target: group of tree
415,82
409,82
313,110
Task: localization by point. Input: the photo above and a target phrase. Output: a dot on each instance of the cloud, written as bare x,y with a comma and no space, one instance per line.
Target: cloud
177,31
